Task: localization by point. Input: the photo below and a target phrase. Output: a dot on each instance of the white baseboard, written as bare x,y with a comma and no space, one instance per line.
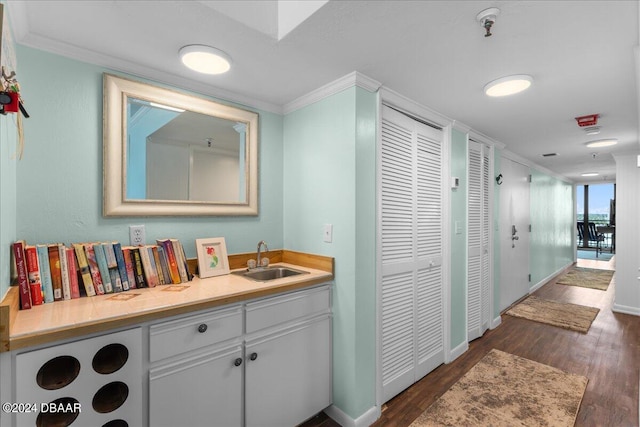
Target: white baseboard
548,278
457,352
496,322
364,420
625,309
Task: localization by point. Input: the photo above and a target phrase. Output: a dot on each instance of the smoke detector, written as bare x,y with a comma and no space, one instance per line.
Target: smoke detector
487,18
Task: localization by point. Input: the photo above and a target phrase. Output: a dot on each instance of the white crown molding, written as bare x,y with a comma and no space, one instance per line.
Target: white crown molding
403,103
480,137
352,79
22,36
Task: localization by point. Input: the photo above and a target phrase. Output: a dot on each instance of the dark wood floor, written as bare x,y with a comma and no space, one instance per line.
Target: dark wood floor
608,355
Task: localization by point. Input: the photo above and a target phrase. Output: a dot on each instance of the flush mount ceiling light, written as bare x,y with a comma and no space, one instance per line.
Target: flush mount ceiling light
590,174
508,85
205,59
602,143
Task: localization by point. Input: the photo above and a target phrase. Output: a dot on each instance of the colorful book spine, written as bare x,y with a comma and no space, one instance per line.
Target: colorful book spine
101,259
122,267
56,272
177,250
128,262
23,279
165,265
173,264
83,265
141,281
112,264
96,277
146,267
64,272
156,261
73,273
45,272
33,274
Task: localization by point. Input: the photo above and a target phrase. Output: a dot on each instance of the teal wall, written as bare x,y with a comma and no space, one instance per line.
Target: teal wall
497,165
552,226
330,178
8,164
59,181
459,241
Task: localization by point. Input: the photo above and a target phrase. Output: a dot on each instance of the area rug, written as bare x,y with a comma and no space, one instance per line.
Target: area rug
562,314
587,278
507,390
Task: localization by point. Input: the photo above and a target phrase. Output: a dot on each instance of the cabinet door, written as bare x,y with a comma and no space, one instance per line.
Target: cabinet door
201,391
289,378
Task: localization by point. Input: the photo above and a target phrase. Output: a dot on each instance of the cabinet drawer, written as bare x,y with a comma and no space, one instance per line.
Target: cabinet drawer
178,336
273,311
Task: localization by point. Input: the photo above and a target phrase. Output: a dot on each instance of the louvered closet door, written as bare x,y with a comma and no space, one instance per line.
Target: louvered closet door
478,272
411,251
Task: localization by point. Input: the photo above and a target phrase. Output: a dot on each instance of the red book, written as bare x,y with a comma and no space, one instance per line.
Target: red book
73,273
21,269
33,274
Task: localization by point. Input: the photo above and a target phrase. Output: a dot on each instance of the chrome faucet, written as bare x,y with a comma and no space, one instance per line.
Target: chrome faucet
261,243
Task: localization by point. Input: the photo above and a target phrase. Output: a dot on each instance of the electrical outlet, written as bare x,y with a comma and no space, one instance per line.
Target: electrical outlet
136,235
327,233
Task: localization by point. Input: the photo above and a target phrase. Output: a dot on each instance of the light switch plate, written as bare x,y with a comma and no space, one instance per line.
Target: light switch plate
327,233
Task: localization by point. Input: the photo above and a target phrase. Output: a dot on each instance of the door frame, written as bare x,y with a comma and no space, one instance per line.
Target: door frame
411,108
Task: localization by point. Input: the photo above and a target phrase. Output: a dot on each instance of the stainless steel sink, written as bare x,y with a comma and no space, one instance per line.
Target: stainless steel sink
269,273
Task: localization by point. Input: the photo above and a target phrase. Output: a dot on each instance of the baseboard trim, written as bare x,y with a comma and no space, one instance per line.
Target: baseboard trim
625,309
457,352
364,420
550,277
496,322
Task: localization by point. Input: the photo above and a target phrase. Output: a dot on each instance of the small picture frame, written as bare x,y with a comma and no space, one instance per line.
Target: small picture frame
212,257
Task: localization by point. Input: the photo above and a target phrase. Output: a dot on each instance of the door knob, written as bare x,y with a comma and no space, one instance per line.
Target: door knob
238,361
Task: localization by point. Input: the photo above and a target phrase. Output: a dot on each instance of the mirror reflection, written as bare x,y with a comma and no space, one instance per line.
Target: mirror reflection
171,153
205,154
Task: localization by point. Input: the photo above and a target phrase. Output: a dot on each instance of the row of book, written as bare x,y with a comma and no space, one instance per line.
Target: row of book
55,272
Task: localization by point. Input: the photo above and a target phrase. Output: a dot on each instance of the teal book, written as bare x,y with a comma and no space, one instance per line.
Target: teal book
45,272
122,265
112,264
101,260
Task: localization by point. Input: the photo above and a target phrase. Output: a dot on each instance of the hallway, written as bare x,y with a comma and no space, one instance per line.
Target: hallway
609,355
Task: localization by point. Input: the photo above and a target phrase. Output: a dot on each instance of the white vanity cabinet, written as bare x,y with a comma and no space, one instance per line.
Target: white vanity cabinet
288,358
198,380
263,363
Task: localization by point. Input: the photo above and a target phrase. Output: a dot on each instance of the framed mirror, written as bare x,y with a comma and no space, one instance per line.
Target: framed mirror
168,153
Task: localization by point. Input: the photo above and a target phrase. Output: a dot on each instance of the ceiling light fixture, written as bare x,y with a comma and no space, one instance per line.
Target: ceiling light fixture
590,174
205,59
508,85
602,143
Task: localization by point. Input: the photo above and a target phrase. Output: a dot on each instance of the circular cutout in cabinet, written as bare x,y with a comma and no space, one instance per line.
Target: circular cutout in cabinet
58,372
110,397
59,413
110,358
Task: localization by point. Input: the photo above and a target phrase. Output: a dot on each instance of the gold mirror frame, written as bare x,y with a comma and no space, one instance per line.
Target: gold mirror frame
117,90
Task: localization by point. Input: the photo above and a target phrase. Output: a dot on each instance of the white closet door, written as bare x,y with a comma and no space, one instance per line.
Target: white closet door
411,251
474,268
478,269
486,239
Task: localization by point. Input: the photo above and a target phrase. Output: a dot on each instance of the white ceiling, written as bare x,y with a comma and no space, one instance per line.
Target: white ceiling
580,53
